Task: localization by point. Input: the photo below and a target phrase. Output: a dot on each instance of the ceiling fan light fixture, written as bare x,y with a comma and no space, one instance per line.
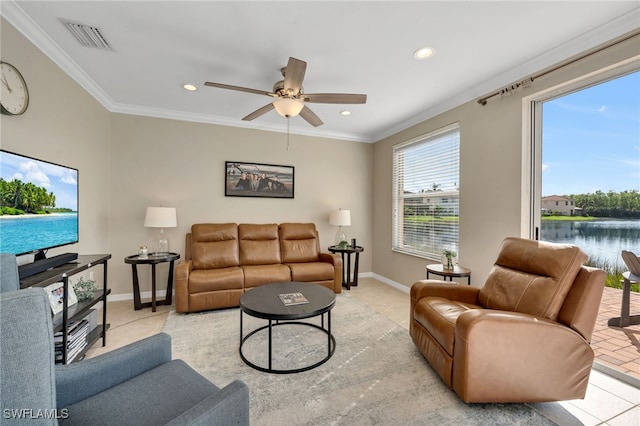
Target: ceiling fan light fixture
189,87
288,107
424,53
345,113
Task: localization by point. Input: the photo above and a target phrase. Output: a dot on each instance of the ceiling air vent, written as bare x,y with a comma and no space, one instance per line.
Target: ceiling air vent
87,35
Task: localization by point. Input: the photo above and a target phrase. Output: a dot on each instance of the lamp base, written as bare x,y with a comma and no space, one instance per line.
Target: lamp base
341,238
163,243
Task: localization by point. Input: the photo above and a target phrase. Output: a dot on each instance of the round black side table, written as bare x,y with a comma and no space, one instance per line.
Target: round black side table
346,272
152,259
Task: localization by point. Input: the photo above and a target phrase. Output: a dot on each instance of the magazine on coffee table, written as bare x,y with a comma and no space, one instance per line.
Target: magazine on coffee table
290,299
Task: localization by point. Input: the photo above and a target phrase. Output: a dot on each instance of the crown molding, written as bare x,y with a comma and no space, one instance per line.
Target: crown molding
14,14
606,32
224,121
29,29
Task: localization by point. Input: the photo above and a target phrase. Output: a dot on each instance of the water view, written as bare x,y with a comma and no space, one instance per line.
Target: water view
21,234
603,239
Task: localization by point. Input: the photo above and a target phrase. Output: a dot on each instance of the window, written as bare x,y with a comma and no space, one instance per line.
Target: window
426,173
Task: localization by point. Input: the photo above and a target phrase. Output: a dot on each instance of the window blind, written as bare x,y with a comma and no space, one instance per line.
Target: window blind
426,173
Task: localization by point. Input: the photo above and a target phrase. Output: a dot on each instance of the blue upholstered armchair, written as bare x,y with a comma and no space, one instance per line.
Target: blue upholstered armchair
137,384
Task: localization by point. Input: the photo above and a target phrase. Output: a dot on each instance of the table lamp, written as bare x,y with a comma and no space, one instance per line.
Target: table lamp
161,217
340,218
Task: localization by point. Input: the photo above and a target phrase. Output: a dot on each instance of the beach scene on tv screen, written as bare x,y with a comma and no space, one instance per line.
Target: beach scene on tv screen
38,204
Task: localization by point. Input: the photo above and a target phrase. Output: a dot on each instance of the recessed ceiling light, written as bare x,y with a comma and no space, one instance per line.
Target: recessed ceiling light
424,53
345,112
189,87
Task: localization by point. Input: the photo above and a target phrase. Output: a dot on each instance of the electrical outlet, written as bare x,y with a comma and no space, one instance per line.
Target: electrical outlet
91,275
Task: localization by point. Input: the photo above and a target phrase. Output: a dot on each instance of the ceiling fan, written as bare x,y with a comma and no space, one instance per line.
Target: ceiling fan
289,95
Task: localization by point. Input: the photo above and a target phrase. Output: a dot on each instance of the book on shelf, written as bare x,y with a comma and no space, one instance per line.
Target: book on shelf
77,332
71,353
74,329
290,299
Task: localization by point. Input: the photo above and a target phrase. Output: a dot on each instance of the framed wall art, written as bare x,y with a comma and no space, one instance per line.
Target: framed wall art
258,180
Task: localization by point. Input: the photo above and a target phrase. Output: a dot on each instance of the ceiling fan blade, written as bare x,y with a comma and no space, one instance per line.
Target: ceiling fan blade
335,98
311,117
238,88
257,113
294,74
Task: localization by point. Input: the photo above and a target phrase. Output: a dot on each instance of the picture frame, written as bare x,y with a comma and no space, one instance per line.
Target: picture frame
55,292
243,179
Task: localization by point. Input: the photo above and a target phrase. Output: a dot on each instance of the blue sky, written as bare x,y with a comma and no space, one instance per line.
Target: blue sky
591,139
62,181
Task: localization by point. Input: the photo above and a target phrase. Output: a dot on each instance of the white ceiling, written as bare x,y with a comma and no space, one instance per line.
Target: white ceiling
352,47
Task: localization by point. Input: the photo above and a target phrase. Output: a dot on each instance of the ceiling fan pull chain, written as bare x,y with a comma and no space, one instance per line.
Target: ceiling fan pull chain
288,122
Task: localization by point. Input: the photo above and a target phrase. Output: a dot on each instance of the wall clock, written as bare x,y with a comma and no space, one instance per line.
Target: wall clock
14,96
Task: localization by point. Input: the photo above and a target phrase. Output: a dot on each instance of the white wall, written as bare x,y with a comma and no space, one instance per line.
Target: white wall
181,164
127,163
491,174
64,125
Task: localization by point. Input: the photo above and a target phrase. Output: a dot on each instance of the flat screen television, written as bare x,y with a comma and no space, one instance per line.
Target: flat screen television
38,205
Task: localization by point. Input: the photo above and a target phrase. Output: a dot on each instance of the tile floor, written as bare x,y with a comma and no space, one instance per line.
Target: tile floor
608,401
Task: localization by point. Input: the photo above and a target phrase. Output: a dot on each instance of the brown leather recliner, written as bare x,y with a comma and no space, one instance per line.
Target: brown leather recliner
524,336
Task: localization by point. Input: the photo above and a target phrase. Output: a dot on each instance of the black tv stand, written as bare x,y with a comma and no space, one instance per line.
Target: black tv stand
80,309
42,264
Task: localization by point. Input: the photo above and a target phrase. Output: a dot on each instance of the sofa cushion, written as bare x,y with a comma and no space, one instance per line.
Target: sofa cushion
214,245
153,398
259,244
531,277
255,275
203,280
311,271
299,242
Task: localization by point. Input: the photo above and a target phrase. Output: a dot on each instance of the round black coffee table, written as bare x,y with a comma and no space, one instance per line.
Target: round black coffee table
265,302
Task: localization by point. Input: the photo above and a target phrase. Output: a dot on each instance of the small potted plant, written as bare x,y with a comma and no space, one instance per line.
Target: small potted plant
448,259
85,289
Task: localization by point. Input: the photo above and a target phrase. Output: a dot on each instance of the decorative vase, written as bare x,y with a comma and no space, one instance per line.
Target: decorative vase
448,260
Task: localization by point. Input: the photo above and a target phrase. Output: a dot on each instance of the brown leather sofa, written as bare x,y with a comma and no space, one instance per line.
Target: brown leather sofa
223,260
524,336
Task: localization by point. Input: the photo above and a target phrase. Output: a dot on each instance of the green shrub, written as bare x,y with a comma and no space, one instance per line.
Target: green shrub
10,211
614,272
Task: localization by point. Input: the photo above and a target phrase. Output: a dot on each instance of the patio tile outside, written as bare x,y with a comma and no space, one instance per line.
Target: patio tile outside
615,347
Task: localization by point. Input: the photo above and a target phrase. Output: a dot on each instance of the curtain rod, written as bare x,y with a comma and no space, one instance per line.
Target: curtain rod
527,81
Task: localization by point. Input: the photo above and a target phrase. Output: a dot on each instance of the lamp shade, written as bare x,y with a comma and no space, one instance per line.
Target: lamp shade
340,218
160,217
288,107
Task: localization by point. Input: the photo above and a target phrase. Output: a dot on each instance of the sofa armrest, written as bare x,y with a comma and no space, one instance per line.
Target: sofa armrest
451,291
336,261
229,406
183,270
503,356
78,381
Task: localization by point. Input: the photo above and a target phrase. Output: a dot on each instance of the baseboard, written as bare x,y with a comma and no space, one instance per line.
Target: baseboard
129,296
389,282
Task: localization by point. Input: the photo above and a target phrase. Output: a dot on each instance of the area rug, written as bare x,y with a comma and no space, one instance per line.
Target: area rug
375,377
